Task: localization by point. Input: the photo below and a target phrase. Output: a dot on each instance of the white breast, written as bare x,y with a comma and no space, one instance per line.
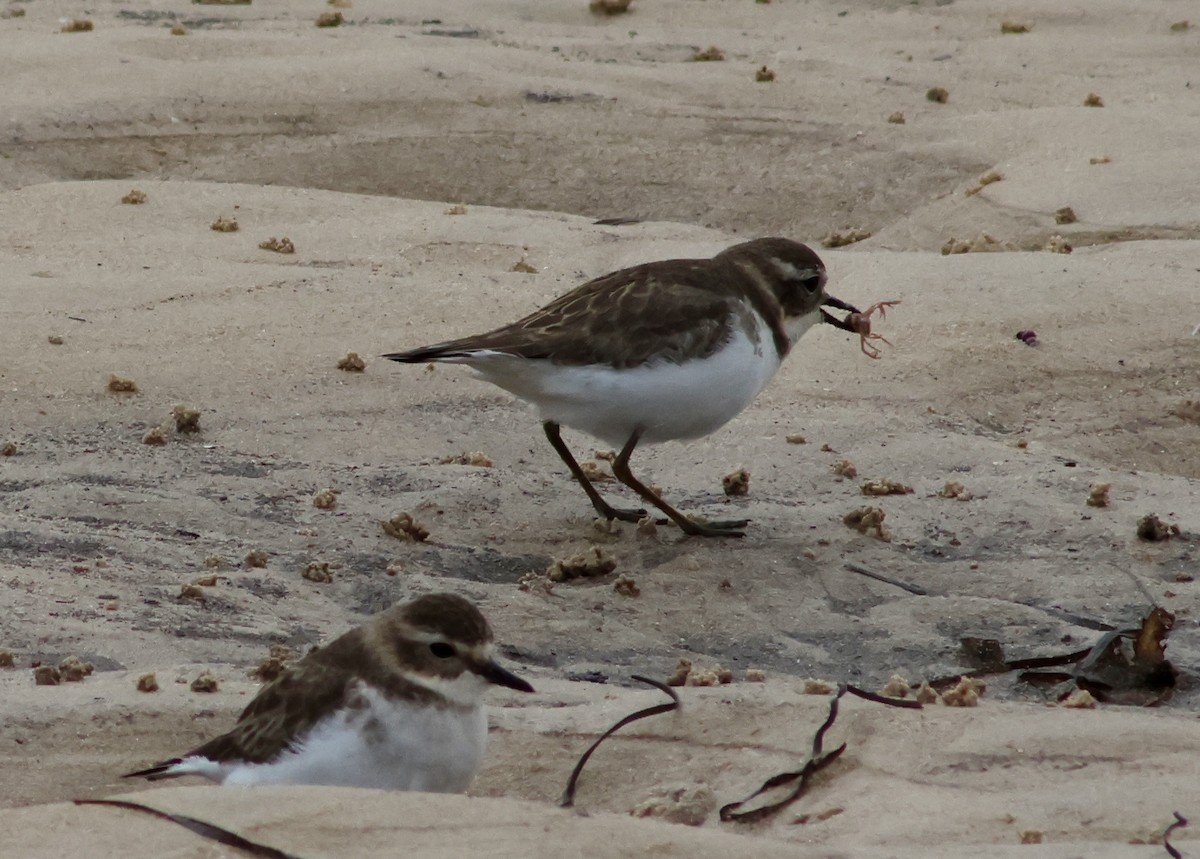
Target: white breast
388,744
666,401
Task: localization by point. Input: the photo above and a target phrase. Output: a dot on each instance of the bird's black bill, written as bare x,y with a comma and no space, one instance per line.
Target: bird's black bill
494,673
843,324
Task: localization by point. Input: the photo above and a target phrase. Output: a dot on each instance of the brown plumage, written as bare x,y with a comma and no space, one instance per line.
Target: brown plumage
667,350
380,654
671,310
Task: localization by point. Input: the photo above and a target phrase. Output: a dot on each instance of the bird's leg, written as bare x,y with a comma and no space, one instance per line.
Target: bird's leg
621,470
602,507
860,323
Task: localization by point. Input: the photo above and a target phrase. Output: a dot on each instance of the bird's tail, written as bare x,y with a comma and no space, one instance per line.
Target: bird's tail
438,352
158,771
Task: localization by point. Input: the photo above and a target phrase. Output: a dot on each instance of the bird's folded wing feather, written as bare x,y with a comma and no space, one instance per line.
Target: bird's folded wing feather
623,319
284,711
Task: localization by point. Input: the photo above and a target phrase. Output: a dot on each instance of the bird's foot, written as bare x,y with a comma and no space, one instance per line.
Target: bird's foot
621,514
717,528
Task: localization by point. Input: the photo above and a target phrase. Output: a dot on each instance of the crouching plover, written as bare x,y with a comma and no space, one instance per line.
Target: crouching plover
668,350
396,703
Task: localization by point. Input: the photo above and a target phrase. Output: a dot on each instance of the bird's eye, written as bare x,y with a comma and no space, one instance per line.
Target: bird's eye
441,650
812,284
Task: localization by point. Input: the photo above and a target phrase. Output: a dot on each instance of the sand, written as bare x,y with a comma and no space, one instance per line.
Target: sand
414,156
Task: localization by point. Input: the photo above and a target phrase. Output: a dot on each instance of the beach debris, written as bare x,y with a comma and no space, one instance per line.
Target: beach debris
46,675
711,54
1057,244
847,236
867,519
273,665
476,458
1098,495
884,486
988,178
318,571
1080,699
897,686
1154,530
187,419
688,804
844,468
627,586
609,7
205,682
594,472
402,526
588,564
120,385
964,693
326,499
256,558
982,243
737,483
954,489
279,246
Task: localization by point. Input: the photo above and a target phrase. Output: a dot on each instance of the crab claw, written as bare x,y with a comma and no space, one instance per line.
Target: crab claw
860,324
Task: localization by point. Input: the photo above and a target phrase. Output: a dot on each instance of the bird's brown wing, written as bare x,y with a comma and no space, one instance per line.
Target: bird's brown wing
658,311
281,713
284,711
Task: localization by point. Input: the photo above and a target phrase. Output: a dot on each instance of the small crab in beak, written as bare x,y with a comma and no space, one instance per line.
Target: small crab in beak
858,322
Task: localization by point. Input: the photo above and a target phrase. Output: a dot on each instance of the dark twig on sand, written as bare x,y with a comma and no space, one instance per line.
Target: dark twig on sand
817,761
204,830
887,580
568,796
1180,822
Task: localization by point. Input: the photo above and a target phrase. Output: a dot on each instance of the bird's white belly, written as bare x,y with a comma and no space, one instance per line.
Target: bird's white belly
388,744
665,401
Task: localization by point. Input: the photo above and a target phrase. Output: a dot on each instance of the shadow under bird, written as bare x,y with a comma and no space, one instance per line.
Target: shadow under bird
664,351
396,703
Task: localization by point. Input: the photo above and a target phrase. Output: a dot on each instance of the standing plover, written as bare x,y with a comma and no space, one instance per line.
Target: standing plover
663,351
